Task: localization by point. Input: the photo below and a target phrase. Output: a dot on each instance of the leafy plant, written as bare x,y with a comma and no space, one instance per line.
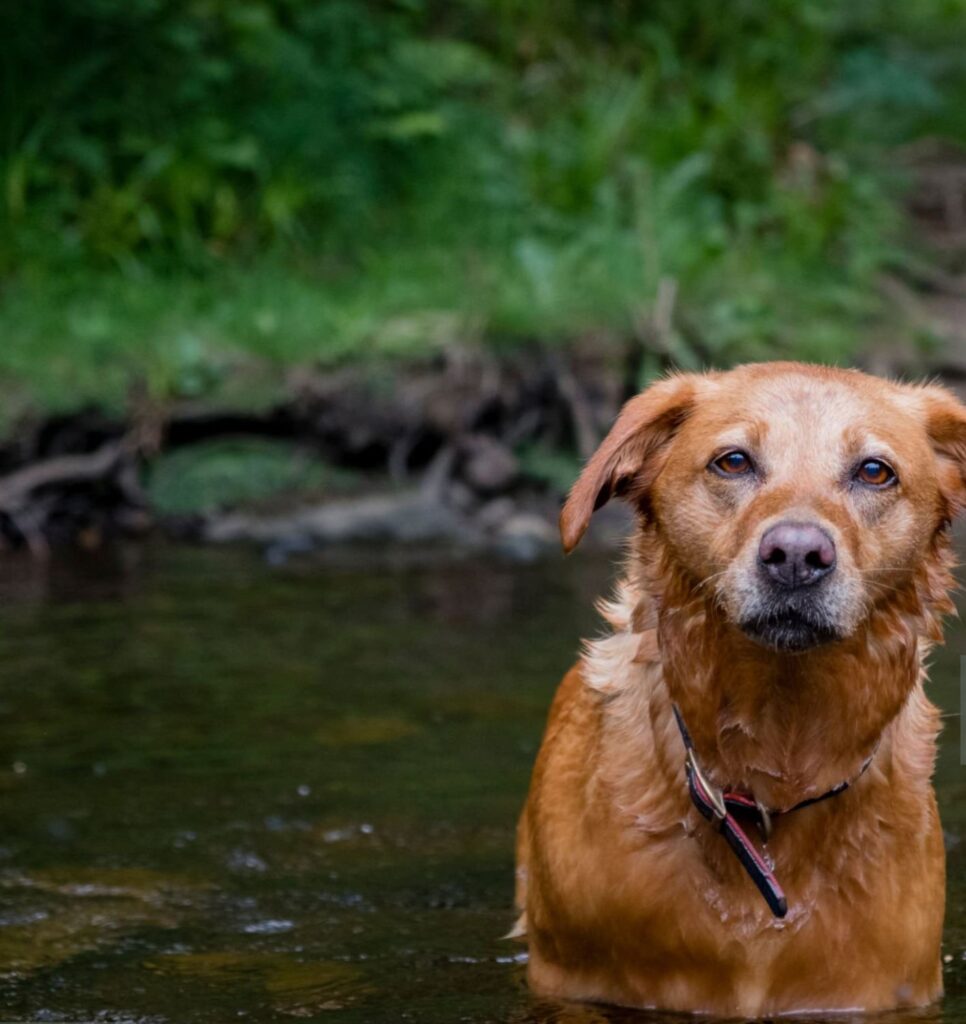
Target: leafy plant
187,185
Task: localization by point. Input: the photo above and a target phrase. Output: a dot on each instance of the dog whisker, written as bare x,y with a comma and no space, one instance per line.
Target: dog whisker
885,568
709,579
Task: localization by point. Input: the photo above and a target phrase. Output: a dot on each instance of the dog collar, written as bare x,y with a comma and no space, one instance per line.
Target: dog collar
722,805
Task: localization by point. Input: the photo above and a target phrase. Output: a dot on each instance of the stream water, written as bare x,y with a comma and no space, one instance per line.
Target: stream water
235,791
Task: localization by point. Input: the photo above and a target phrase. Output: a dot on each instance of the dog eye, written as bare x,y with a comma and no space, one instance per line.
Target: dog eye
732,464
875,473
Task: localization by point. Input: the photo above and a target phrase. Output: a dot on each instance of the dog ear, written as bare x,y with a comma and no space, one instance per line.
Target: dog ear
626,463
945,418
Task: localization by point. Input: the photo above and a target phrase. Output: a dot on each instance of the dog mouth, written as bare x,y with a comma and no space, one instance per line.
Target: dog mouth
790,629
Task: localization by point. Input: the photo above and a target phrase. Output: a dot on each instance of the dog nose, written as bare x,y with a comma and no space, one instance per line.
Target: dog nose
796,554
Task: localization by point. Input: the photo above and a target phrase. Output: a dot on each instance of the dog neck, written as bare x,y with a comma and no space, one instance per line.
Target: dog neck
785,727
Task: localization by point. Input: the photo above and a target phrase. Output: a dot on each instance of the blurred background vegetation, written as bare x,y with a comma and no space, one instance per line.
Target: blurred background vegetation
194,186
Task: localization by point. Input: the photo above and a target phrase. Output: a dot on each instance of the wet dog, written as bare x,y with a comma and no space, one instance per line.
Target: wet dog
732,809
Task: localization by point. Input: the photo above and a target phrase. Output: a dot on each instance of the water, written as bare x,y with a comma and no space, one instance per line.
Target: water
230,791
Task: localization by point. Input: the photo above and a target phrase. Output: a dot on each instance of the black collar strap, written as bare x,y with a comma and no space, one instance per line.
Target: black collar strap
721,806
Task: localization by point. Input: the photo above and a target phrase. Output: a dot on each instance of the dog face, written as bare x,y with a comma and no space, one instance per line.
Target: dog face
798,497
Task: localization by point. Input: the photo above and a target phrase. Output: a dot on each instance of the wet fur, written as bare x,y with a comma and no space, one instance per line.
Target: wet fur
626,894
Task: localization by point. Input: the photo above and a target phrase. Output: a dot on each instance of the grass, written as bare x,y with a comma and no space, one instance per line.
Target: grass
231,335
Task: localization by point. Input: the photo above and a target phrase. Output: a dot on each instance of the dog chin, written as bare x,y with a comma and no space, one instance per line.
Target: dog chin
789,631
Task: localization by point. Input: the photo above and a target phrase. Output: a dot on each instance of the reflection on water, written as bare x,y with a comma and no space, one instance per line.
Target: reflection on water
234,791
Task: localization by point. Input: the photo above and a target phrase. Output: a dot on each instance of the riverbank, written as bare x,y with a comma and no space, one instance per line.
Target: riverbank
439,434
471,449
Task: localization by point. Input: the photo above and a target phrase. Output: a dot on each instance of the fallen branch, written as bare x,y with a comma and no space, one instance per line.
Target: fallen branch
18,487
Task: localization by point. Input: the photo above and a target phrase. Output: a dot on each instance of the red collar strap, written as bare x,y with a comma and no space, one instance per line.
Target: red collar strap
722,806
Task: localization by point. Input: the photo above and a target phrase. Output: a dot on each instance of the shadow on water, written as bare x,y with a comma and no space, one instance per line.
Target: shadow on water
232,791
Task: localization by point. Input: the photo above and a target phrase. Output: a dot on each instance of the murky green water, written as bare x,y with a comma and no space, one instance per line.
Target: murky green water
230,791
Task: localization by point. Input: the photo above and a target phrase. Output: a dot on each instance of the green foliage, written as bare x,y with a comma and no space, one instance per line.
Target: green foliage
195,127
556,469
379,177
222,474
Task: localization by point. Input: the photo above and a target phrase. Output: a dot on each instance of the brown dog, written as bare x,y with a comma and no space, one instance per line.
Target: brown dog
786,582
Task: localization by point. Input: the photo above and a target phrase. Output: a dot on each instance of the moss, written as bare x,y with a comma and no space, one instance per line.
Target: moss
223,474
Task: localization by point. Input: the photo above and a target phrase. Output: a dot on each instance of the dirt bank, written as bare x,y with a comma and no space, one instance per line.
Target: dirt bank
471,448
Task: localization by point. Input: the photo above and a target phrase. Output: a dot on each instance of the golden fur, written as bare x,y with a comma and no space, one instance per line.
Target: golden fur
627,895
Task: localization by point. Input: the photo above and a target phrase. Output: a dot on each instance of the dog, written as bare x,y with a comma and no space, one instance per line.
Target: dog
731,811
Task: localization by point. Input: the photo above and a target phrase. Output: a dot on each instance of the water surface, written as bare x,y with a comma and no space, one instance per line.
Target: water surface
235,791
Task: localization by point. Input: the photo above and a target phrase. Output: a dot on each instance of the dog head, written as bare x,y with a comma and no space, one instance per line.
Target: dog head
798,497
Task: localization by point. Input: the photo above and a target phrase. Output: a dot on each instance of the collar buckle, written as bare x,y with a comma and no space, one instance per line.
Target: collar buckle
715,796
764,821
713,803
